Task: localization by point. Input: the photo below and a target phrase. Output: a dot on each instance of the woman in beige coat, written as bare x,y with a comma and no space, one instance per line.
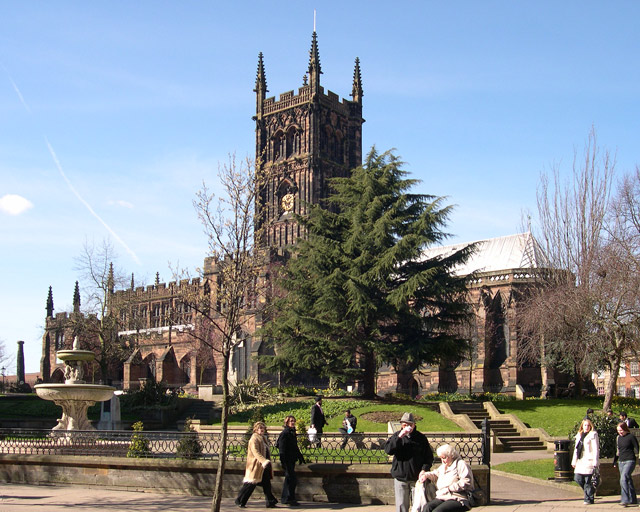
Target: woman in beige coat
259,470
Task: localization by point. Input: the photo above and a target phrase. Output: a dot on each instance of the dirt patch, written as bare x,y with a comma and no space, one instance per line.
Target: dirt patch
385,416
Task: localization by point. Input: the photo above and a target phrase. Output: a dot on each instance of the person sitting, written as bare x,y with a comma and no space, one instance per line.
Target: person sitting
454,481
348,427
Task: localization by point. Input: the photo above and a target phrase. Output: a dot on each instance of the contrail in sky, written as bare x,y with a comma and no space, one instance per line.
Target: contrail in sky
87,205
68,182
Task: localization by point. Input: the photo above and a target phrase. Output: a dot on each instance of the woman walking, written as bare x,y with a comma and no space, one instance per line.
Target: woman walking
259,470
586,459
625,458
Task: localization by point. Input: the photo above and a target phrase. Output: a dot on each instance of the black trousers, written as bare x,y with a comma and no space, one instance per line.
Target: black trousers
247,490
290,482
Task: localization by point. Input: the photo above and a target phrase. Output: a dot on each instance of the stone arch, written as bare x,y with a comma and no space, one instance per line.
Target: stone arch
292,141
57,376
278,142
496,340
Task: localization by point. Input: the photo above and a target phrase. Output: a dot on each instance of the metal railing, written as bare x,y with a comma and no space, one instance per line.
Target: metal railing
359,448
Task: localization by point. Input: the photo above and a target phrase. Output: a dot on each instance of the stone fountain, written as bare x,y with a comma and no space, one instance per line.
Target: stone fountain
74,396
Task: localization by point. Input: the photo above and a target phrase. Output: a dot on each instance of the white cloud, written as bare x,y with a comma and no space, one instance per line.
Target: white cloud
14,204
121,203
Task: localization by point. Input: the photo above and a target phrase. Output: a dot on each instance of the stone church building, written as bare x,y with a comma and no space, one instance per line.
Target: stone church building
304,138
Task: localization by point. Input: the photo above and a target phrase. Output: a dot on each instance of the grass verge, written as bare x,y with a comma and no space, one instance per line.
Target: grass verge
539,468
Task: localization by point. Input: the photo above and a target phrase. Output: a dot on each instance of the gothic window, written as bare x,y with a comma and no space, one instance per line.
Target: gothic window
293,141
59,340
185,366
278,146
151,367
241,359
156,315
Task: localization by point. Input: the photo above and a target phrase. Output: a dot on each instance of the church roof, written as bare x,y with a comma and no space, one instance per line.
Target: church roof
497,254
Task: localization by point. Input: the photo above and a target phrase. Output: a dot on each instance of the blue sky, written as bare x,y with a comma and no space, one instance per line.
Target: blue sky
112,114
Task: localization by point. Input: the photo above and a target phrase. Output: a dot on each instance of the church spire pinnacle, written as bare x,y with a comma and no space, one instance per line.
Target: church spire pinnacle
76,298
314,63
261,85
356,92
50,303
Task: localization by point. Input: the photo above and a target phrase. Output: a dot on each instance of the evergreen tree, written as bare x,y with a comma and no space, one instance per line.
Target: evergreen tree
358,290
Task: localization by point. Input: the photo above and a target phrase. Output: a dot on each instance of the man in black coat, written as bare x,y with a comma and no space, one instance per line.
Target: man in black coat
631,423
411,454
318,420
289,454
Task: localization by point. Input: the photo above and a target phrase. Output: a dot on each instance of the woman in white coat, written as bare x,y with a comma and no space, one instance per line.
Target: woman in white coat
586,459
454,480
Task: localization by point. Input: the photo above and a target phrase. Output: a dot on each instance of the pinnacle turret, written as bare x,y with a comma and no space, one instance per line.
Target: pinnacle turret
356,92
76,298
315,69
50,303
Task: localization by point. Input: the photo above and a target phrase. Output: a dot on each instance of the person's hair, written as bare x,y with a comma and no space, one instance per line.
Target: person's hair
589,411
348,411
624,427
318,399
622,413
259,424
446,450
286,420
586,420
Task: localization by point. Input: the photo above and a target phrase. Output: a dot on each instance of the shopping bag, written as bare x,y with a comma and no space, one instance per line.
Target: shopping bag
312,433
419,498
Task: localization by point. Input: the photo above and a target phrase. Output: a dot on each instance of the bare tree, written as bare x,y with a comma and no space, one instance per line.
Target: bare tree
582,320
226,303
100,326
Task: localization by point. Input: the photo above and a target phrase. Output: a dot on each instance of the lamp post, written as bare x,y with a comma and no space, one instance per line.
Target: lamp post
3,370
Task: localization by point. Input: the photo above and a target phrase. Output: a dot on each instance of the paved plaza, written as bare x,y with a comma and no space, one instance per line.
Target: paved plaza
508,493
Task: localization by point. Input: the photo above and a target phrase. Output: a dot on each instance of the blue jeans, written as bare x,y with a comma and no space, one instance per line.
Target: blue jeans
584,481
627,490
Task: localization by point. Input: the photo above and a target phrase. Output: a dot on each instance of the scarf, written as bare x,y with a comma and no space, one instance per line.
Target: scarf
580,445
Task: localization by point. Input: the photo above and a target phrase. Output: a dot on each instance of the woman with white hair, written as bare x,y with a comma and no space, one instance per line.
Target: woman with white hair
454,481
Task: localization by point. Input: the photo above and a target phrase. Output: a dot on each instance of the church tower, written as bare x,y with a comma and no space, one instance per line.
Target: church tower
302,140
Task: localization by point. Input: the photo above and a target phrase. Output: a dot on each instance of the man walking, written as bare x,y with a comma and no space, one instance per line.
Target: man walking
348,427
631,423
289,454
411,454
318,420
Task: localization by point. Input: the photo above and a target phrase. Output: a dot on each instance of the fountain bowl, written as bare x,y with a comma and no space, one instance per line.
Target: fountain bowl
75,355
87,392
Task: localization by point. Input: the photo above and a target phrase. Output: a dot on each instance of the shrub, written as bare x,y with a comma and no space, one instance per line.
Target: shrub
139,446
189,447
607,434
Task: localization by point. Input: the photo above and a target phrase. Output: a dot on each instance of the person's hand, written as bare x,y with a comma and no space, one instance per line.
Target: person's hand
573,466
422,477
266,463
405,431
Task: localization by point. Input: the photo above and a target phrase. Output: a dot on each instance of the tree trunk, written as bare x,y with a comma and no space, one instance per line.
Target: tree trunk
369,376
610,390
224,420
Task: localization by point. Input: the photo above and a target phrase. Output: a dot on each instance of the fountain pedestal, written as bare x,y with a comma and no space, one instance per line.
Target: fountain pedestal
74,396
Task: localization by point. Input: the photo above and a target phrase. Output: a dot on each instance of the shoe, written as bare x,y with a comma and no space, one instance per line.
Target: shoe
239,504
271,505
293,503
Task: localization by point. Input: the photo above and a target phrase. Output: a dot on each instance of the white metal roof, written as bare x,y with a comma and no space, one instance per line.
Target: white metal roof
497,254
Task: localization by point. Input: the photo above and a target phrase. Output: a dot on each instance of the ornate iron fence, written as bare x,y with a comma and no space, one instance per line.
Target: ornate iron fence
357,448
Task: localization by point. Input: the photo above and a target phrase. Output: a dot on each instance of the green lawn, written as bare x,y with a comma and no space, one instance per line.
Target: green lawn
556,416
428,420
540,468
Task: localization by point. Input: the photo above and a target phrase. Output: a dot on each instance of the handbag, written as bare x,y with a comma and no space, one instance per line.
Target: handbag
595,478
475,497
419,498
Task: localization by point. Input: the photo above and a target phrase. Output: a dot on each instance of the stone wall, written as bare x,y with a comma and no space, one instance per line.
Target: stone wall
339,483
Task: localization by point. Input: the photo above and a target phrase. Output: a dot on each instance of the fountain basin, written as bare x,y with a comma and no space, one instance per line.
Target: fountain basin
90,392
74,399
75,355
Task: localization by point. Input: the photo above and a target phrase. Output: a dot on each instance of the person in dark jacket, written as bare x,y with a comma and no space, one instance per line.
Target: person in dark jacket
318,420
348,427
630,422
625,459
289,454
411,454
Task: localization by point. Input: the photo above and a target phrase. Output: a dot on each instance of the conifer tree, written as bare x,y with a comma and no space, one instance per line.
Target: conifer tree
358,290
